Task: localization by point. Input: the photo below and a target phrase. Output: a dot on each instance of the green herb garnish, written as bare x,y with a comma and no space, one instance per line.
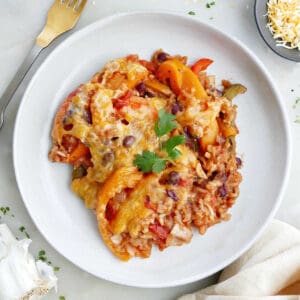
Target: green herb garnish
4,210
170,145
56,269
149,161
42,257
192,13
297,101
210,4
165,123
297,120
22,229
62,298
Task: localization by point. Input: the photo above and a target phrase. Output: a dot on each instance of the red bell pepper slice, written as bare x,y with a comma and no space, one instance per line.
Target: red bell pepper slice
201,65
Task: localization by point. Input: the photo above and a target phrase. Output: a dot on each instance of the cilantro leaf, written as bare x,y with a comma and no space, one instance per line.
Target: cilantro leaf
172,142
175,153
159,165
149,161
165,123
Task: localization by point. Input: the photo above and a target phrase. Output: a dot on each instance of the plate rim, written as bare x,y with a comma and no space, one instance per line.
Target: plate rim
286,128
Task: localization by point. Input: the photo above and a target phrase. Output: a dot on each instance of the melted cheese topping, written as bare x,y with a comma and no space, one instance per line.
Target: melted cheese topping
284,22
134,209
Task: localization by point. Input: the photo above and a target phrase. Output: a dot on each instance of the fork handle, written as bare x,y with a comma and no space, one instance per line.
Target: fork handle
15,82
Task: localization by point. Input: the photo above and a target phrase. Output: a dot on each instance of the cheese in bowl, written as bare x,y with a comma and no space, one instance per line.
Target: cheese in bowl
152,145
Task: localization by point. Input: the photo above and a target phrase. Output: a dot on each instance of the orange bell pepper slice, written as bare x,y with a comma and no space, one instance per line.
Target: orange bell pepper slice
192,85
170,72
79,152
126,177
181,79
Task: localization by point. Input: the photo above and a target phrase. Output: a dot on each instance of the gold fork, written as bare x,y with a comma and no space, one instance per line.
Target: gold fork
62,16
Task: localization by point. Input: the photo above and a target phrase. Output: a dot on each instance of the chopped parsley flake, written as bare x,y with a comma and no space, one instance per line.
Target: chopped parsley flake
192,13
297,121
297,101
210,4
22,229
56,269
62,298
4,210
42,257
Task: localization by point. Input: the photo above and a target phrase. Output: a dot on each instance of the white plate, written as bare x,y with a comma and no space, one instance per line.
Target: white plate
263,141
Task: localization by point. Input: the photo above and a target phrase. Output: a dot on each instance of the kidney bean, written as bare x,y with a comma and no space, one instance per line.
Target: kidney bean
187,133
141,88
223,191
88,116
173,178
125,122
128,141
162,56
172,194
68,127
107,158
222,115
176,107
149,94
238,161
220,93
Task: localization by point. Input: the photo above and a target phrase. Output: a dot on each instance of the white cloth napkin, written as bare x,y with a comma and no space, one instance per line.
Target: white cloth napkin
270,270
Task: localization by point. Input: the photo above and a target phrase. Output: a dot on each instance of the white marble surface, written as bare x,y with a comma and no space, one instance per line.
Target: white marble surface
20,22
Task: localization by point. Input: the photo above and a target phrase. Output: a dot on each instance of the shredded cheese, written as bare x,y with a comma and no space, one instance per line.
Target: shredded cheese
284,22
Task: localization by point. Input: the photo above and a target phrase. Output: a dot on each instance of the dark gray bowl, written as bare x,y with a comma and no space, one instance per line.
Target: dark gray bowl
260,11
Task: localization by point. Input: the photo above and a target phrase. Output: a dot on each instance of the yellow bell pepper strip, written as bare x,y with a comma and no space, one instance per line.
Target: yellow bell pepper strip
210,135
158,87
227,130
